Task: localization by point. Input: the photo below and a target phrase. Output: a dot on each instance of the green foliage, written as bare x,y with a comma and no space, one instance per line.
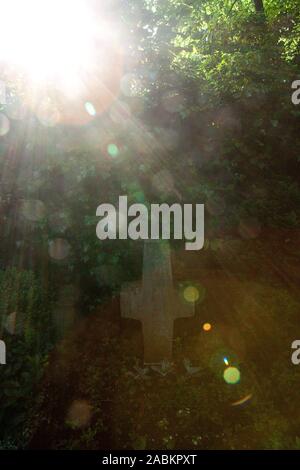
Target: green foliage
26,330
233,137
23,296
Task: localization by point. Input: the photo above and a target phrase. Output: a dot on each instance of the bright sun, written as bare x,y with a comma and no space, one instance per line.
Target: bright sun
48,39
61,43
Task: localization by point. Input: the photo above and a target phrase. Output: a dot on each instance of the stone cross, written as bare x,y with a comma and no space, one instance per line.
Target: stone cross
155,302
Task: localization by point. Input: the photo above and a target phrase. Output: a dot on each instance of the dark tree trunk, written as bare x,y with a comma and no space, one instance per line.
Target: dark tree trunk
259,6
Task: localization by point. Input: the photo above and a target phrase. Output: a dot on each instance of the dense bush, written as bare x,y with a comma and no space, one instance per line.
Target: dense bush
25,315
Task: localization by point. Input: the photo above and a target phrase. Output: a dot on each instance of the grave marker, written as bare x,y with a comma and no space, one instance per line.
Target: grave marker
155,302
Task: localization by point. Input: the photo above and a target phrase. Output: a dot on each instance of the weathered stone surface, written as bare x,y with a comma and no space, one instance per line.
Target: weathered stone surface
155,302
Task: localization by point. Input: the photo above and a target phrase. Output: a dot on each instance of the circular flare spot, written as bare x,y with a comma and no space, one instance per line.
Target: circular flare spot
207,327
231,375
79,414
90,109
10,323
113,150
191,294
33,210
59,249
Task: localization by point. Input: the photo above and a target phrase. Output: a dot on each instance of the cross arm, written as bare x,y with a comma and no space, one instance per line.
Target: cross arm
182,310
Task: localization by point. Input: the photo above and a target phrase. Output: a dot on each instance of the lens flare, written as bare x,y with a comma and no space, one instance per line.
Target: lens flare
33,210
232,375
64,51
193,293
207,327
242,401
79,414
10,323
59,249
113,150
90,109
46,38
